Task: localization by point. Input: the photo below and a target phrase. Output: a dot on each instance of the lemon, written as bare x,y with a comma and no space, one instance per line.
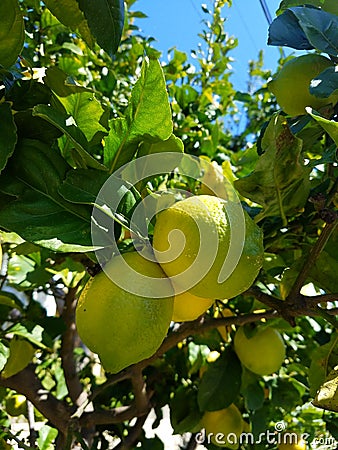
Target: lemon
21,353
189,307
224,426
191,242
263,353
16,405
291,441
121,327
291,84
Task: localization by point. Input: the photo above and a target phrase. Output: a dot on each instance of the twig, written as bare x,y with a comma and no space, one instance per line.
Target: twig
140,392
313,255
31,423
133,435
75,388
27,383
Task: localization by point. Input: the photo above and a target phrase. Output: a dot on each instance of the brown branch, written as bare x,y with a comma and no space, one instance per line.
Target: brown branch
28,384
75,388
101,417
140,391
133,435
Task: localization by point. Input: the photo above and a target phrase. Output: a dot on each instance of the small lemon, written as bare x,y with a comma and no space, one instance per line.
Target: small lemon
263,353
224,426
291,441
191,242
16,405
121,327
189,307
291,84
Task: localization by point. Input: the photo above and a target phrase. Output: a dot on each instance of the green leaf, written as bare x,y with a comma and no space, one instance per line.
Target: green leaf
184,412
8,136
12,32
47,436
323,360
252,391
324,271
221,382
330,126
105,19
325,83
327,395
148,115
70,15
280,181
319,27
86,111
75,137
4,354
39,213
10,300
59,83
82,185
34,335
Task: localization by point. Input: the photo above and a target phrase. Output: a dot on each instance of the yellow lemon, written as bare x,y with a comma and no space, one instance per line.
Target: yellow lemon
263,353
291,441
189,307
223,427
192,239
21,354
122,327
291,84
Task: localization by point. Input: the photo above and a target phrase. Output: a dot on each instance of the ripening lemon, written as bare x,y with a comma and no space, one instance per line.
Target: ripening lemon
291,84
291,441
21,354
223,427
192,239
121,327
263,353
189,307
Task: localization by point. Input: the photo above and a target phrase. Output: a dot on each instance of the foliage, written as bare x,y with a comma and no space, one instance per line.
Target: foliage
77,104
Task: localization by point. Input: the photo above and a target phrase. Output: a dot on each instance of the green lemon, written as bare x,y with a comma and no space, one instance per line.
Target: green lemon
191,242
263,353
223,427
291,84
122,327
189,307
21,354
16,405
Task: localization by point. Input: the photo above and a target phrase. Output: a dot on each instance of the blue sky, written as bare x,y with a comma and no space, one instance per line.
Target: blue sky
176,23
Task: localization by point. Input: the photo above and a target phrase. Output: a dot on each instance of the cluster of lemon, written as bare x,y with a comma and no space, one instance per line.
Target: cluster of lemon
124,328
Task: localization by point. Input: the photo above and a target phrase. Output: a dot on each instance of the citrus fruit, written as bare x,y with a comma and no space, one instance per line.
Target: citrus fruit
291,441
121,327
189,307
263,353
291,84
20,355
224,426
16,405
191,242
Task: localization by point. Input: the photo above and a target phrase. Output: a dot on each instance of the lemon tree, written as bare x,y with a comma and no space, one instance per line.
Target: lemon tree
221,206
195,220
121,327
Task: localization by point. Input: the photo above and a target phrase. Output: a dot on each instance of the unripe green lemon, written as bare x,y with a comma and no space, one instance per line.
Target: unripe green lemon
291,441
188,307
263,353
191,242
21,354
121,327
16,405
223,427
291,84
